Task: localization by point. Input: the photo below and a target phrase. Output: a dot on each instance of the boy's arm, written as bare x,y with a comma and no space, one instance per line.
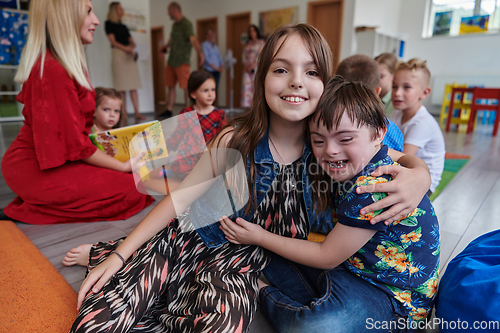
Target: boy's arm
341,243
410,149
410,183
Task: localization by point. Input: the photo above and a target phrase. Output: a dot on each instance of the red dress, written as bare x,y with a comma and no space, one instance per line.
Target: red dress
43,165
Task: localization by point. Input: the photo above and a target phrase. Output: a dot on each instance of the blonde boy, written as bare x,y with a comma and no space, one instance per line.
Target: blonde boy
422,134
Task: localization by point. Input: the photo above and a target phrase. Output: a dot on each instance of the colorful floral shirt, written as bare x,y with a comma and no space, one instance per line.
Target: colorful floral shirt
403,258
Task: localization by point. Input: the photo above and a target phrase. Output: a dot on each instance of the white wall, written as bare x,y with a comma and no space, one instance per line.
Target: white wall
99,57
383,14
200,9
459,55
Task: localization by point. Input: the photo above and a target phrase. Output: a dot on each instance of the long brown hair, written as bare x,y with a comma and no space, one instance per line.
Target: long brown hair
250,128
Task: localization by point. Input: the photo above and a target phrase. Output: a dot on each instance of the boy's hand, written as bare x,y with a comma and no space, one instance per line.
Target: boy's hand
241,231
405,192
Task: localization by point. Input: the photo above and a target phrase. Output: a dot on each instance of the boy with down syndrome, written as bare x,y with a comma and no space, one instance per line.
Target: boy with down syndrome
364,273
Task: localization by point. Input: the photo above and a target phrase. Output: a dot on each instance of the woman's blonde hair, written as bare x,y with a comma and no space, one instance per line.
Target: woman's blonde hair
112,14
55,25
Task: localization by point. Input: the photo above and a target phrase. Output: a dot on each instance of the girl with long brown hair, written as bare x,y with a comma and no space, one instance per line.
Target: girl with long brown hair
174,273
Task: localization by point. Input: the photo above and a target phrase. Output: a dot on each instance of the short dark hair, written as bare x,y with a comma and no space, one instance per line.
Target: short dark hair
360,68
361,104
259,36
175,5
196,79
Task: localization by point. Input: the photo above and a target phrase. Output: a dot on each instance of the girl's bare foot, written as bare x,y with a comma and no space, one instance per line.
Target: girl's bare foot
78,256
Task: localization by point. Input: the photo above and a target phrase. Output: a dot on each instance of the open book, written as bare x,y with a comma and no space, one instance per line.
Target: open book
126,142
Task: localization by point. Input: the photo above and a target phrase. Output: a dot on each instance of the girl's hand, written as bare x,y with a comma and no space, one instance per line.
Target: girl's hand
134,163
405,192
98,277
241,231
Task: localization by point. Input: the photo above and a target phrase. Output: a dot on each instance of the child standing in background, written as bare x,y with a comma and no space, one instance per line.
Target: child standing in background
202,93
422,134
109,113
387,63
361,68
377,273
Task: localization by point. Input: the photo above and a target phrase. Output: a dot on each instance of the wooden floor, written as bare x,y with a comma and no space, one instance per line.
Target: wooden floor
467,208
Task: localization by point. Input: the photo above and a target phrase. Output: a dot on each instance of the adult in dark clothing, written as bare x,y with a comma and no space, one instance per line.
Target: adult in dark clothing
123,64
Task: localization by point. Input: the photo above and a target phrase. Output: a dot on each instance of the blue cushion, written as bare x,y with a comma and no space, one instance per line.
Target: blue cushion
470,287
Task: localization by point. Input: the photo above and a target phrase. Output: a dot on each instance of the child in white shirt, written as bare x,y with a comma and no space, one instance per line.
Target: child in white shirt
422,134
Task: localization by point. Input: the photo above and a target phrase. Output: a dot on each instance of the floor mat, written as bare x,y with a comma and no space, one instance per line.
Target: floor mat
452,164
34,297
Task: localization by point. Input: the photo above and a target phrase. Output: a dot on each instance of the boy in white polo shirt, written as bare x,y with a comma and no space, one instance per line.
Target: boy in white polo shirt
422,134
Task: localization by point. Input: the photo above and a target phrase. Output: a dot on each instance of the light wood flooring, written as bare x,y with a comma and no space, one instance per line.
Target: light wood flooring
467,208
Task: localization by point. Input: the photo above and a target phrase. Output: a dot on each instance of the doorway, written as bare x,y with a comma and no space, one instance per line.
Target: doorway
202,25
326,16
158,62
236,29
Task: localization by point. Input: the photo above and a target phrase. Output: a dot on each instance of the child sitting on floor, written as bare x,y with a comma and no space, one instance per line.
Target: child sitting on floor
393,268
361,68
421,132
108,111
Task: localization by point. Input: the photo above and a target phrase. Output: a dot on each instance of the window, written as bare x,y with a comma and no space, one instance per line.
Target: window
446,17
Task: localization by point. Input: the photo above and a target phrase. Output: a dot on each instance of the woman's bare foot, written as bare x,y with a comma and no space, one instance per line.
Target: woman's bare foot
78,256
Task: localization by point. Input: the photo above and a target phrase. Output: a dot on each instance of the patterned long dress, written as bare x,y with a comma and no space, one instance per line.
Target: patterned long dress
174,283
250,55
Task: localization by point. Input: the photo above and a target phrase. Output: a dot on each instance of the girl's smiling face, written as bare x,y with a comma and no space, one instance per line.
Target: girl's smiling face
344,151
292,85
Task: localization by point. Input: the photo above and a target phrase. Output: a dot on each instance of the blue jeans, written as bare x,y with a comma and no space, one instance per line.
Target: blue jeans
325,301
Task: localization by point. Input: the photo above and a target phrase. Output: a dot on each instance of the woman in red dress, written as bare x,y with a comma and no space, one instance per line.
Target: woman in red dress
53,167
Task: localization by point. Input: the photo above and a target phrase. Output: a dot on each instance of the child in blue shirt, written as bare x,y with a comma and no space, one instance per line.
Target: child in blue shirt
366,273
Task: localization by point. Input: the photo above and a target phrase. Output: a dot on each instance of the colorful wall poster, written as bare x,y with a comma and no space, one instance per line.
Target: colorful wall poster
474,24
273,19
442,23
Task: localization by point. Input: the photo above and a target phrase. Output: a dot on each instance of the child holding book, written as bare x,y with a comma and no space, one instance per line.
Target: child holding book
108,112
202,93
58,175
421,132
364,272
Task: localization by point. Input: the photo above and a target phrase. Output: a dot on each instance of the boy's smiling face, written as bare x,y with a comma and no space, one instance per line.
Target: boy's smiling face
409,88
344,151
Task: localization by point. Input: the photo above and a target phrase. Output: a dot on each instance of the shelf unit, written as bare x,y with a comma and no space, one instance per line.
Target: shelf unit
17,88
22,6
372,43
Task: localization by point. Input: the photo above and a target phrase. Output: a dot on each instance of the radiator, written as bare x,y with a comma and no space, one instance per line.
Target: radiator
439,82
